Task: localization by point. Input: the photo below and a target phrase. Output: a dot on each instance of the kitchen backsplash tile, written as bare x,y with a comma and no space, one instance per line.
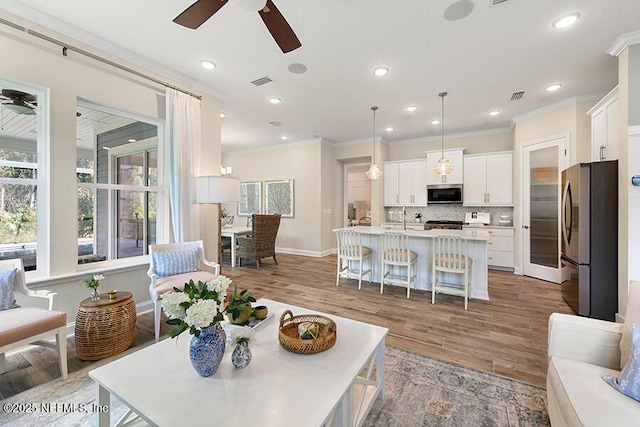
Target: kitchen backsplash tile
445,212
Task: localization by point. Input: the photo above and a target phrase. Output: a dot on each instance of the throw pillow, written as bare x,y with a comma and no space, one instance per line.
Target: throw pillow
631,317
7,280
628,382
176,262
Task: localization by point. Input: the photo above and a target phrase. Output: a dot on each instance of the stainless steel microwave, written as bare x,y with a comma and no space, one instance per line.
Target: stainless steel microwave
444,193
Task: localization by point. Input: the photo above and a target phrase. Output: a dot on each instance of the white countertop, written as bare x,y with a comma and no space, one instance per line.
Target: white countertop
471,234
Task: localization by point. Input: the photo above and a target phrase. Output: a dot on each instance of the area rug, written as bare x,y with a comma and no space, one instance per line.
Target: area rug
419,391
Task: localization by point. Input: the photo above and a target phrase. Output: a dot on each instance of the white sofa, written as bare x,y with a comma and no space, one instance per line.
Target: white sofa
581,351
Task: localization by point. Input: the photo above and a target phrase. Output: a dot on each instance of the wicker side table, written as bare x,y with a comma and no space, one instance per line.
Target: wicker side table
105,327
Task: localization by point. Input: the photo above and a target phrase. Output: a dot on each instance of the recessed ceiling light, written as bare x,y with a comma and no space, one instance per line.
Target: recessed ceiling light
553,87
132,140
566,20
207,64
275,100
411,108
380,71
284,137
389,128
223,115
435,122
494,112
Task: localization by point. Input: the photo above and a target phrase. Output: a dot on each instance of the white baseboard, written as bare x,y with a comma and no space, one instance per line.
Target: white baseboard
290,251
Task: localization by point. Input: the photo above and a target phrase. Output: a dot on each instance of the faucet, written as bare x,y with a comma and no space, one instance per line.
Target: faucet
404,218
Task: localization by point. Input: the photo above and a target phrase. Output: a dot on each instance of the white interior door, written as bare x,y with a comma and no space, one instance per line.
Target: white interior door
542,165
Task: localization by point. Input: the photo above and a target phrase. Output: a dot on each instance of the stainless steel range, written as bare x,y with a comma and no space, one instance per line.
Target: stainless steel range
443,224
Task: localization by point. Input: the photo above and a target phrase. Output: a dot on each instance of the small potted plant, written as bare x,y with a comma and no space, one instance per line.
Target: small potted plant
93,282
238,307
418,216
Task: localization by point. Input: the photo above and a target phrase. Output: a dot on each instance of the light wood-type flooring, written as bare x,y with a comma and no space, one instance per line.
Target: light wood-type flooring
506,336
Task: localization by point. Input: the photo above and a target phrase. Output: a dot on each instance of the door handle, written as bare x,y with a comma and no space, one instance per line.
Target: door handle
526,227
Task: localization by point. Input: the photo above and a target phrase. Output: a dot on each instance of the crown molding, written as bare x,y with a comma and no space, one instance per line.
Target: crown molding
558,105
623,42
51,24
471,134
285,145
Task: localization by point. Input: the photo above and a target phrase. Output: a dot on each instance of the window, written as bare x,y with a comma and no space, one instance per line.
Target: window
117,173
22,208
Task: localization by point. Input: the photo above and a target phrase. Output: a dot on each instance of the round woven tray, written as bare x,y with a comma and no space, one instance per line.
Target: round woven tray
290,340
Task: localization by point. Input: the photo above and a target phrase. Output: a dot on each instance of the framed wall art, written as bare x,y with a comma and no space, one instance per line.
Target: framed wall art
250,198
279,197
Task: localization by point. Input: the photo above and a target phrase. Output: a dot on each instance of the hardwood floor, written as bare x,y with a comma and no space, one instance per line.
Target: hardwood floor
506,336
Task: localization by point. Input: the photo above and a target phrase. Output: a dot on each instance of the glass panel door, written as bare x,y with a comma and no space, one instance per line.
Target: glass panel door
542,165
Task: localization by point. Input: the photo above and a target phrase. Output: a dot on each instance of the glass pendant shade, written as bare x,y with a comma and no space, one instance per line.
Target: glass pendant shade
444,165
374,172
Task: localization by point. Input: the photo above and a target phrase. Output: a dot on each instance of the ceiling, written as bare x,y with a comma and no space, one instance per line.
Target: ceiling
480,60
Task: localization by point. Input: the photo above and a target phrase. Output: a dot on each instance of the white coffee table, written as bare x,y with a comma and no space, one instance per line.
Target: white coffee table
278,388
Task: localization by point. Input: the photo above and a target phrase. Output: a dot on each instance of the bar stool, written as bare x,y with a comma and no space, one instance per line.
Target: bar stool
395,253
450,256
351,251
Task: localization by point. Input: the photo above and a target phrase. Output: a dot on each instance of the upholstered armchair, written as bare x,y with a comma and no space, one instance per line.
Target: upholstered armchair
262,241
20,326
172,265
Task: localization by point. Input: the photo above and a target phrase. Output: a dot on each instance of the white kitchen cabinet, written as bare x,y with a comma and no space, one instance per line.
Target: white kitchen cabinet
604,127
499,247
488,179
455,156
390,183
405,183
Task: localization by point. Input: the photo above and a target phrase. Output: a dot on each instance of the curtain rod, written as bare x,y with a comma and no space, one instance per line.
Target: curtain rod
66,47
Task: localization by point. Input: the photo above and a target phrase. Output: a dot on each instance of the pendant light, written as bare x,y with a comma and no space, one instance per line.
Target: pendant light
374,171
443,167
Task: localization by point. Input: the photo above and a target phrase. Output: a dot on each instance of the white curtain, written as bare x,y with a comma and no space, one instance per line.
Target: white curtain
184,130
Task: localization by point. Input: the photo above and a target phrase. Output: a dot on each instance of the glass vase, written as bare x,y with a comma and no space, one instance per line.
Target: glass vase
241,355
95,294
206,350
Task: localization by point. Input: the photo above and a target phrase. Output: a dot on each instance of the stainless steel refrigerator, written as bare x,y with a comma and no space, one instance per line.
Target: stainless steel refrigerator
589,228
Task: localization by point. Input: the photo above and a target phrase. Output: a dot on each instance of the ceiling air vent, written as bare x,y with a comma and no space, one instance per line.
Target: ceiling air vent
262,81
517,95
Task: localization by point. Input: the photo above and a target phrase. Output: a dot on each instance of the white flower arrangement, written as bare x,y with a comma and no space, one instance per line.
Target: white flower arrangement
196,307
244,335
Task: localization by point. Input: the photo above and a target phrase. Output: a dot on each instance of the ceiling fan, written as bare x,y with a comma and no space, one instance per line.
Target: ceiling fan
19,102
196,14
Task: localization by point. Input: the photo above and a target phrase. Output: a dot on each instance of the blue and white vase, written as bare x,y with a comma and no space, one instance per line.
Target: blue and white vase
206,350
241,355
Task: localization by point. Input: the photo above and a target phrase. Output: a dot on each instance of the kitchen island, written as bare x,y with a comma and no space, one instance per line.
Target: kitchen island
421,242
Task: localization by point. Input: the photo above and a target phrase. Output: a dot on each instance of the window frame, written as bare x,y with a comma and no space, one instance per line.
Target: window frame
43,178
162,202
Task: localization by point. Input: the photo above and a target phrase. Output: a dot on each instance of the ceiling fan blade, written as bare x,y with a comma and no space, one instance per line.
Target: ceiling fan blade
279,28
196,14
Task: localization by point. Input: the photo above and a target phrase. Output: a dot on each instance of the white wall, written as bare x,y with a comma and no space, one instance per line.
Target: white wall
35,62
301,162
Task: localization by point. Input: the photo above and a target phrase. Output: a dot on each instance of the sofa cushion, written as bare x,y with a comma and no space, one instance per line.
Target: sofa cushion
631,317
170,263
584,399
7,280
628,383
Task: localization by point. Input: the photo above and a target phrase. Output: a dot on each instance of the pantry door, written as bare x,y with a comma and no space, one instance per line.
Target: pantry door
542,165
